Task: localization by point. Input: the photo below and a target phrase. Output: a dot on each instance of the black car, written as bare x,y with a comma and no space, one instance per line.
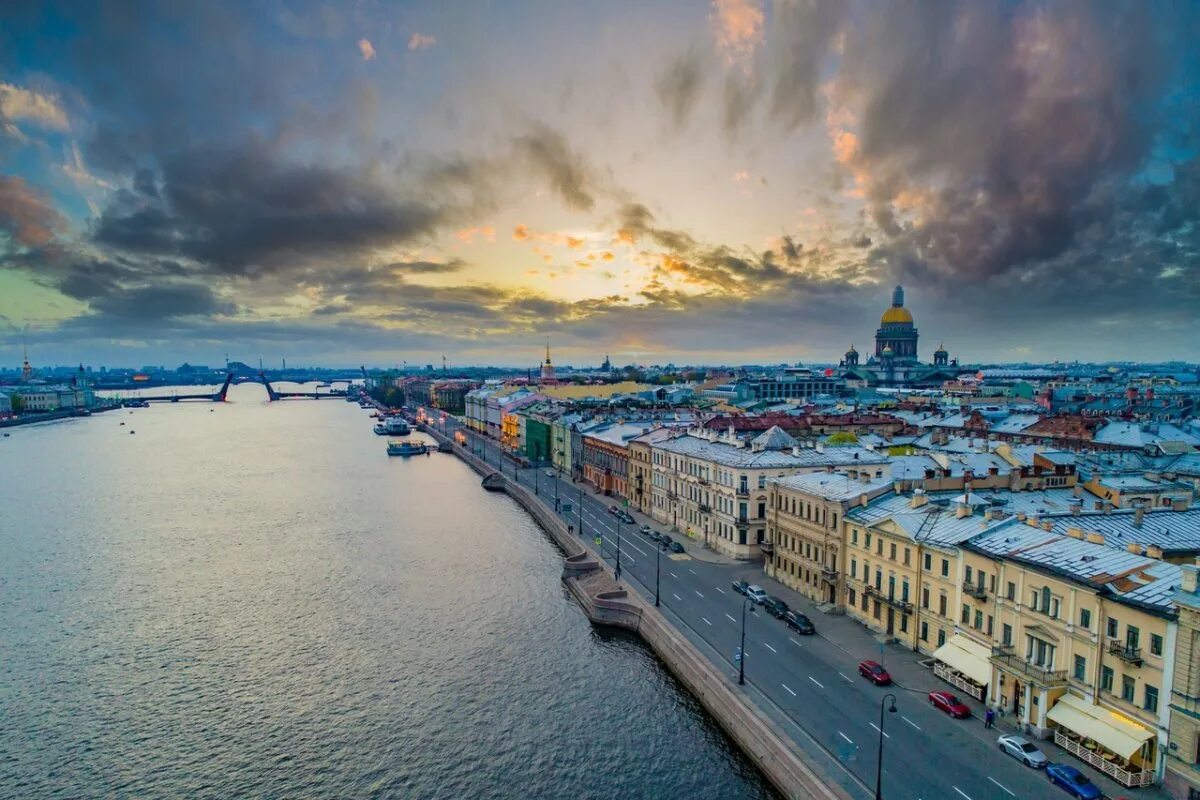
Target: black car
665,540
799,623
675,547
624,517
775,607
740,586
655,536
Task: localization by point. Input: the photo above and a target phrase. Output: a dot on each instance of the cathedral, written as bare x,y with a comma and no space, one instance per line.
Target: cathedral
895,362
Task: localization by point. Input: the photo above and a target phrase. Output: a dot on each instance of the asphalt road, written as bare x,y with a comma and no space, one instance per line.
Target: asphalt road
807,683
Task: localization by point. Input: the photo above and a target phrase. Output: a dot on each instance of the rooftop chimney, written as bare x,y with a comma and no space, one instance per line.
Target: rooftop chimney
1154,551
1076,509
1095,538
1139,514
919,498
1077,490
1075,533
962,510
1134,548
1047,525
796,450
1189,572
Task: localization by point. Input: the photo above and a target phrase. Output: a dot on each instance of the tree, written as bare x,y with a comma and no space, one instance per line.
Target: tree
841,438
18,403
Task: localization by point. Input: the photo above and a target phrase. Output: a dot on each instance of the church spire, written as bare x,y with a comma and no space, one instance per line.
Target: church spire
898,296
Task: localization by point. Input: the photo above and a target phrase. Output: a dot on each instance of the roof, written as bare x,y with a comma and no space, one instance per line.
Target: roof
832,486
1173,531
1015,423
730,456
774,439
1135,434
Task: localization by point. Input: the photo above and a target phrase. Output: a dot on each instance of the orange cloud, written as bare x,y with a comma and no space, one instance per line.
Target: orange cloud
738,27
574,243
741,176
625,236
521,233
367,49
845,147
467,235
607,256
419,41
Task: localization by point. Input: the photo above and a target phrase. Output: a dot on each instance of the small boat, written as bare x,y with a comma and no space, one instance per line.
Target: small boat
396,426
380,429
405,448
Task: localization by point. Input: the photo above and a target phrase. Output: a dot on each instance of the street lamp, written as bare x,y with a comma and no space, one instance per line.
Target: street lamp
617,574
746,601
657,557
556,491
889,697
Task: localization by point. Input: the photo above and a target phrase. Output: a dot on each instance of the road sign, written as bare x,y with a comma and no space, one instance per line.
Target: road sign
737,656
598,540
625,503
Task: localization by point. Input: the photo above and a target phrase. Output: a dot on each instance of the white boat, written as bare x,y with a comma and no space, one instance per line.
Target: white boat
395,448
396,426
380,428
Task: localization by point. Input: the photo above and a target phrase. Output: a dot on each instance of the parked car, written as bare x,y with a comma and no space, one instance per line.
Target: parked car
799,623
1073,781
614,510
645,530
625,517
666,541
740,587
756,593
1023,750
549,473
675,547
945,701
874,672
775,607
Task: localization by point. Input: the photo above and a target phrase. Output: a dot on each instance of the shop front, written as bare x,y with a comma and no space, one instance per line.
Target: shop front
962,662
1109,741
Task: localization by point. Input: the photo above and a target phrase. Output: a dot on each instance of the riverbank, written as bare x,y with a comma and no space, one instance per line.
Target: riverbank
607,602
51,416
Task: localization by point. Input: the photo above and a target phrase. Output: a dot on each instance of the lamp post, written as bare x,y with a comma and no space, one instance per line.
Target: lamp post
556,490
617,573
657,557
887,698
746,601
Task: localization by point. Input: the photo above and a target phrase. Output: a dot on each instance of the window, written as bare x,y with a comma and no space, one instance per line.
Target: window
850,596
853,569
978,620
1045,606
1112,628
893,551
1132,635
906,555
1080,668
925,598
762,481
1128,685
854,535
1106,679
924,631
904,623
941,637
942,605
1011,592
945,568
928,562
989,625
1156,644
904,591
1151,701
966,615
1006,636
868,541
969,575
1085,618
879,546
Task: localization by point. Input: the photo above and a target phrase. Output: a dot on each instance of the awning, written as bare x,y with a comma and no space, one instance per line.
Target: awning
1112,731
964,655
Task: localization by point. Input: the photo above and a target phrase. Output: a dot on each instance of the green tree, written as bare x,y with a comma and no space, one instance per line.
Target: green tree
841,438
18,403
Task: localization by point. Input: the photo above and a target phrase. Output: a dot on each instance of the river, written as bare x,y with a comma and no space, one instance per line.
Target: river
252,600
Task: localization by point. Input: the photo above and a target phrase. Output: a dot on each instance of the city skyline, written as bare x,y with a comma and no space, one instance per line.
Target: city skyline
683,182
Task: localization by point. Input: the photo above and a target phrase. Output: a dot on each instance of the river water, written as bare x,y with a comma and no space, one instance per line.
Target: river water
252,600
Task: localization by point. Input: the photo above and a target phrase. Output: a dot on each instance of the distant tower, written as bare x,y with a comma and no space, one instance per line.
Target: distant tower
941,357
851,358
26,370
607,365
896,331
547,367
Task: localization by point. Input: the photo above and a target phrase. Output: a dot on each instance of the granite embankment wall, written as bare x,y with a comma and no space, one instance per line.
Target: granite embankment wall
607,603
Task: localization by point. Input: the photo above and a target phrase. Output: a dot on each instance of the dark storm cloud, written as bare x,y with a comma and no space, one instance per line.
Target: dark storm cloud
164,301
547,152
679,85
800,36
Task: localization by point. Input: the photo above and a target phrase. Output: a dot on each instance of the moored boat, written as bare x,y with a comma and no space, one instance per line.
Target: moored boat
405,448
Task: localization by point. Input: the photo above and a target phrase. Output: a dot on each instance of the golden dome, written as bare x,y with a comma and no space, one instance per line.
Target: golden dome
896,314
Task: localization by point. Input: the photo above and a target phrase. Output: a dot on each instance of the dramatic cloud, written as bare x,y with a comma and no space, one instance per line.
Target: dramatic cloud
420,41
366,49
679,86
25,214
25,105
738,28
547,152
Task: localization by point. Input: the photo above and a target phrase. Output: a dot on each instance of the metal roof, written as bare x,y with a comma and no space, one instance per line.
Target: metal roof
743,457
832,486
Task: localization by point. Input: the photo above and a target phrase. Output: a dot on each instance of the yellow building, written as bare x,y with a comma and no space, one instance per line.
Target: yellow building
1183,756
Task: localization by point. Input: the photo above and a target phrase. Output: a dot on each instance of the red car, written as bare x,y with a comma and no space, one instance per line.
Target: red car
874,672
944,701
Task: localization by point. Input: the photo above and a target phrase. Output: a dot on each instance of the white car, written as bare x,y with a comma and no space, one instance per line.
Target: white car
1023,750
549,473
756,594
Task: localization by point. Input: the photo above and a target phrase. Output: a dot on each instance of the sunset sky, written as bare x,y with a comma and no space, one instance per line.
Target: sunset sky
729,181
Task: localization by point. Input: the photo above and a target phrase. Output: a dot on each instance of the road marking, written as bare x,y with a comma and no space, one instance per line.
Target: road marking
844,676
784,685
677,597
818,683
886,735
673,575
706,622
719,589
698,593
910,722
772,649
844,736
692,571
1001,785
960,791
731,619
793,641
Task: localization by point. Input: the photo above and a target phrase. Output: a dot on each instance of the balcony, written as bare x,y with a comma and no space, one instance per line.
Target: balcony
743,491
1003,656
1130,655
766,547
672,496
829,574
894,602
705,508
974,590
702,481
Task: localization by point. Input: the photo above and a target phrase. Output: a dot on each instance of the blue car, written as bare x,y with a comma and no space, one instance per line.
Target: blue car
1074,782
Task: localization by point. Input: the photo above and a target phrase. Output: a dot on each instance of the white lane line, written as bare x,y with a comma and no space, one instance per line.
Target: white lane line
731,619
844,676
697,591
960,791
772,649
673,575
719,589
692,571
706,622
677,597
910,722
784,685
886,735
1001,785
818,683
793,641
844,736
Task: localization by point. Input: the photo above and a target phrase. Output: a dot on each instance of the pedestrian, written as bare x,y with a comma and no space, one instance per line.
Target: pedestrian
989,719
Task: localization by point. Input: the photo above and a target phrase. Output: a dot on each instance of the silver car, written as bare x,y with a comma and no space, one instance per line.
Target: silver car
756,594
1023,750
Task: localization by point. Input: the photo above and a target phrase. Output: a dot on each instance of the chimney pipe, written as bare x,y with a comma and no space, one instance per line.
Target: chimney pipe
1139,515
1189,578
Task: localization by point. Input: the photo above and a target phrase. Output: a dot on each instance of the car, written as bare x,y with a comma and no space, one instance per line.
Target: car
1023,750
775,607
550,473
675,547
624,517
740,586
874,672
756,593
656,537
1073,781
799,623
945,701
614,510
666,541
645,530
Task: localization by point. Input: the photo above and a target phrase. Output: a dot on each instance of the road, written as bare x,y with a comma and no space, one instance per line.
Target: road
807,683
